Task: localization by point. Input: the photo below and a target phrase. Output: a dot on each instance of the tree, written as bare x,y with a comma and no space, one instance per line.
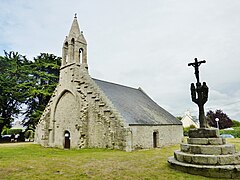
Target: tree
224,120
13,86
44,78
179,118
26,86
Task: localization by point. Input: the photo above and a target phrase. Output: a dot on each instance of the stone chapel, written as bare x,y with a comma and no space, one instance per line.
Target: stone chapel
84,112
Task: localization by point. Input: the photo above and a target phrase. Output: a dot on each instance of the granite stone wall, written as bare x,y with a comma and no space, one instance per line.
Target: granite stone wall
142,136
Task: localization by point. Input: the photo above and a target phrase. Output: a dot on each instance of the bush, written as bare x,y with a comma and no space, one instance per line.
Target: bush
29,134
5,131
11,131
235,132
236,123
186,129
15,131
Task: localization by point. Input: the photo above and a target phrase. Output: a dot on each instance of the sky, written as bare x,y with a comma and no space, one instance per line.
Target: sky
140,43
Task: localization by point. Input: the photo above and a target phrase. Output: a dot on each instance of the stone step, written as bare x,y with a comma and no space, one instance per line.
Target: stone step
208,149
204,159
204,133
218,171
206,141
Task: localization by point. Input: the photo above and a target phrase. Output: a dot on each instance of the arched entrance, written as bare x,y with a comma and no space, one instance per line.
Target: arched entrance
67,140
155,139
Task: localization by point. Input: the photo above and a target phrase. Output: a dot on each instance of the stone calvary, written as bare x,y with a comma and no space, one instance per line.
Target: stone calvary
205,152
85,112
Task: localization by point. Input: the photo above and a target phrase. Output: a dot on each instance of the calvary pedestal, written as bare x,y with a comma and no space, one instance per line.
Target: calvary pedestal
205,152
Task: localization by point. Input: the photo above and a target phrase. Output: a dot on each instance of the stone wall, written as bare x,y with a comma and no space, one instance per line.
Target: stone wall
142,136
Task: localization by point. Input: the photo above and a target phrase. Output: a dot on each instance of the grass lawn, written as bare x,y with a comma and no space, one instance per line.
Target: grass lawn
30,161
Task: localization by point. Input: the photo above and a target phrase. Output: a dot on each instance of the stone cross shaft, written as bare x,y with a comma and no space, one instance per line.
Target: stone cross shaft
199,93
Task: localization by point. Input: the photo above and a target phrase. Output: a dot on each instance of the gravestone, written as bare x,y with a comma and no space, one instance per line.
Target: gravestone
205,152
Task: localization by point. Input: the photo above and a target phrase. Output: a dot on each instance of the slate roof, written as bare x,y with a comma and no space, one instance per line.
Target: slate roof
135,106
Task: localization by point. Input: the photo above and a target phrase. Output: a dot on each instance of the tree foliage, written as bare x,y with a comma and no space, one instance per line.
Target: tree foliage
13,86
44,78
27,84
236,123
179,118
224,120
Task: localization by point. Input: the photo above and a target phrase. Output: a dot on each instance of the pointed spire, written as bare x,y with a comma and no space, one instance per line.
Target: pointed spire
75,30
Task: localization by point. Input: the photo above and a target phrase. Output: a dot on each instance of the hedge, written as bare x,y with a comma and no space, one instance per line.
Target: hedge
235,132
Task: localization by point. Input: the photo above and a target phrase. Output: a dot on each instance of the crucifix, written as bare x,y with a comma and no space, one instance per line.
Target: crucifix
199,93
196,65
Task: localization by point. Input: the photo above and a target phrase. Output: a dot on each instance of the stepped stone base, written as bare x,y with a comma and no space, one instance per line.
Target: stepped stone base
206,154
224,171
203,133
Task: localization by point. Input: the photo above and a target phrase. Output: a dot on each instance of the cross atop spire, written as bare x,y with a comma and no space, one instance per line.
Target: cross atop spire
75,30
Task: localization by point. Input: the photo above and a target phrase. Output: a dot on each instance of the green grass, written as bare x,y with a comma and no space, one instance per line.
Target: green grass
30,161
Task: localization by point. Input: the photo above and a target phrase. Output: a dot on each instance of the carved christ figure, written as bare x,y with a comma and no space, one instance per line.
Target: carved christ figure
196,65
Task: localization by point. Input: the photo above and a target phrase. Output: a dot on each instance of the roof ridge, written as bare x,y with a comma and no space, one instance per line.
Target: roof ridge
117,84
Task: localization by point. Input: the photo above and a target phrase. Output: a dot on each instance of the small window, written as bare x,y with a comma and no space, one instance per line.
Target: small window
80,55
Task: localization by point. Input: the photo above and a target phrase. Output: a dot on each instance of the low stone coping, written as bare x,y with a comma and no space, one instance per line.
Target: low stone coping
203,159
206,141
204,133
219,171
208,149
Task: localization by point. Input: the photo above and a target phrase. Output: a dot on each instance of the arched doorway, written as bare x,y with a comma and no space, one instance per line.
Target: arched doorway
67,140
155,139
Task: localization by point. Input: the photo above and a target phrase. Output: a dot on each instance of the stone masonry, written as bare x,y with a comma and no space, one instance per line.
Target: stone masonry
206,154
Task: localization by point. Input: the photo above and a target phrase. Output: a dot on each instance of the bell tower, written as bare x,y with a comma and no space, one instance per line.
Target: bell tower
74,49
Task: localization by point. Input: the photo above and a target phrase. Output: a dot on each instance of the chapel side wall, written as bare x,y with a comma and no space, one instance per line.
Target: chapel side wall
142,136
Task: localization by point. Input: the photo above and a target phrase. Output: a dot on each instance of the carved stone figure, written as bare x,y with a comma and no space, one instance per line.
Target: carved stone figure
199,93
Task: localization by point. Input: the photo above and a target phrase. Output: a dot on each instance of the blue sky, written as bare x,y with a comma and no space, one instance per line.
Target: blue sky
140,43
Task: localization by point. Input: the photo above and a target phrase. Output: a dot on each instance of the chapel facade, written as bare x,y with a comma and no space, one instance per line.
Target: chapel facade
84,112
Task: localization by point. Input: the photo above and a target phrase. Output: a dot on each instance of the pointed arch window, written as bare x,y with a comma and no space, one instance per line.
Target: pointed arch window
66,52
